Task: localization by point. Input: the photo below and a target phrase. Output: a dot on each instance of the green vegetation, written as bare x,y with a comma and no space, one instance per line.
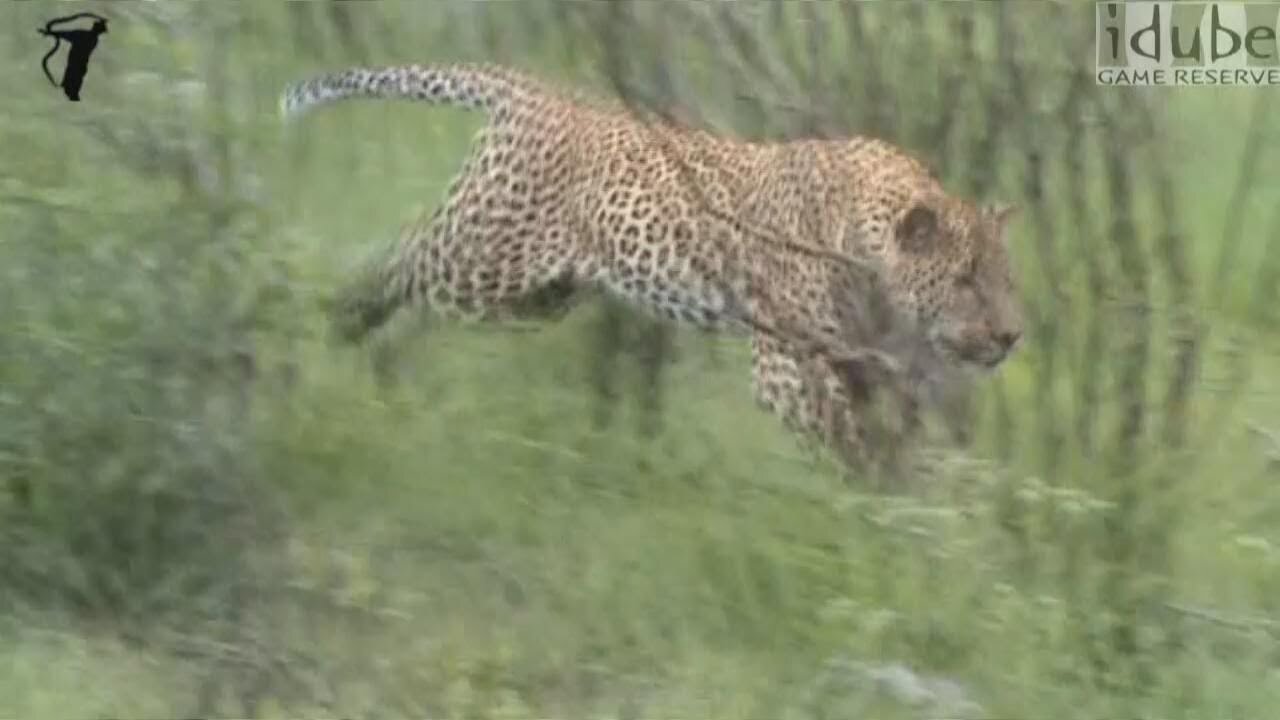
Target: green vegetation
208,508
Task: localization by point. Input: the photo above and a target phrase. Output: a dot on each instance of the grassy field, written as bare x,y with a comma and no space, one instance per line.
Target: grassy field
211,509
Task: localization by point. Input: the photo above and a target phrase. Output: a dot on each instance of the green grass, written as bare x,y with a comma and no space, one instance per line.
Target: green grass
438,526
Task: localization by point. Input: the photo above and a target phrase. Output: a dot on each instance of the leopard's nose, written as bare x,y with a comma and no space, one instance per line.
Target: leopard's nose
1008,338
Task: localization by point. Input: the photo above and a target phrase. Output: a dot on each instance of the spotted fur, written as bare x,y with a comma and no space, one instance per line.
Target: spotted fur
562,194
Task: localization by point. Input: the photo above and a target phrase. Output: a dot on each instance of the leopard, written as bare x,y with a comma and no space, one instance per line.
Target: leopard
844,259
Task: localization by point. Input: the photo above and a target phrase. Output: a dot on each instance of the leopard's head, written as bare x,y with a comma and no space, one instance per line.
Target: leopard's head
949,268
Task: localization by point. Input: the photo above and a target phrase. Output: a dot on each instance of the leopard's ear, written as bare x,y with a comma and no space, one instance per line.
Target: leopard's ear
918,229
999,216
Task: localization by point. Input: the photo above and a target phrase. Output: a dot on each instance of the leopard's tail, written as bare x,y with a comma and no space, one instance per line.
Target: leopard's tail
474,87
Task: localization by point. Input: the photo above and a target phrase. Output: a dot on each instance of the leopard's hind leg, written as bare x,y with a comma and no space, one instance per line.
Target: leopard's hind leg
488,253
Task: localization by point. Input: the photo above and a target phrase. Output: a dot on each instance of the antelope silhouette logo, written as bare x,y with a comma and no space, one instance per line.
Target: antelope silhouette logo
82,42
